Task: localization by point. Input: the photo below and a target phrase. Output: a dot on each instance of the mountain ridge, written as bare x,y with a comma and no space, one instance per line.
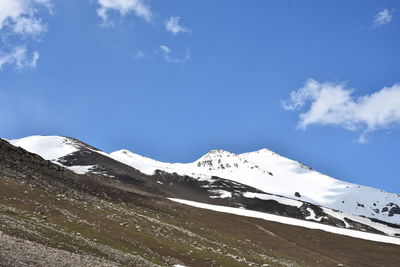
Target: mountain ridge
263,170
213,159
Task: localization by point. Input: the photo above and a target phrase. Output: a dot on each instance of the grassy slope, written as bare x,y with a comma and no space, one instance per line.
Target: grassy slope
162,232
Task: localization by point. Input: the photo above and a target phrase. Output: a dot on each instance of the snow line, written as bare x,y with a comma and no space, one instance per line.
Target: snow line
291,221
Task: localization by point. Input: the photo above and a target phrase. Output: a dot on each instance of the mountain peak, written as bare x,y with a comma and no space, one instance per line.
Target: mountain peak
217,153
220,152
263,150
123,151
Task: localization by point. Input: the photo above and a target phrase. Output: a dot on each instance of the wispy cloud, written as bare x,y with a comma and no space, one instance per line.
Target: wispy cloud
140,8
22,16
29,26
20,20
383,17
172,25
334,104
166,51
20,58
123,7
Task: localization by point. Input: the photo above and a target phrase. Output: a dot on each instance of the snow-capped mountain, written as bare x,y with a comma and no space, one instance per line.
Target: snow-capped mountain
261,175
274,174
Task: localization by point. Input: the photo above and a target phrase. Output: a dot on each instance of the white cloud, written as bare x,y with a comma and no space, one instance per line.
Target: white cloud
29,26
333,104
20,19
172,25
123,7
384,17
166,51
21,16
20,58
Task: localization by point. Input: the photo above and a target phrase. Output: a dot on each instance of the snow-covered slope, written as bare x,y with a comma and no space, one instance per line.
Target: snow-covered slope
263,169
272,173
48,147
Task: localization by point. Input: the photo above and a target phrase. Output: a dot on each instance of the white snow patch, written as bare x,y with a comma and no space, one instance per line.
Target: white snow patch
221,193
313,215
282,200
292,221
48,147
81,169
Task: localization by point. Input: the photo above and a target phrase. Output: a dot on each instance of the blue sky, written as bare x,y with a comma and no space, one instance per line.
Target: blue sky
315,81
